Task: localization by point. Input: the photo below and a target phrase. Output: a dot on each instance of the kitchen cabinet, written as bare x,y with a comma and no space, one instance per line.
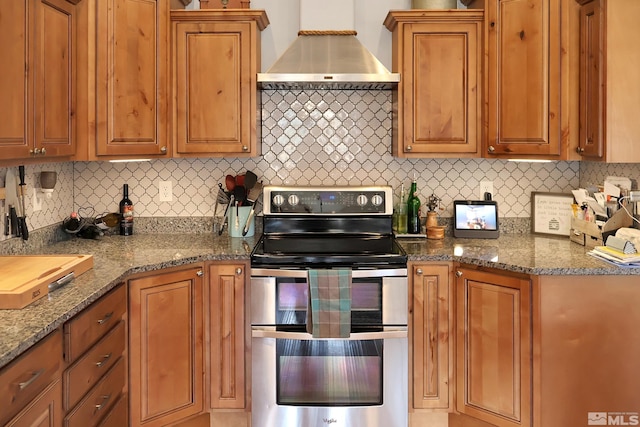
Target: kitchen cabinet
438,108
37,84
166,358
494,352
95,377
227,323
214,82
123,66
431,306
529,96
30,390
609,126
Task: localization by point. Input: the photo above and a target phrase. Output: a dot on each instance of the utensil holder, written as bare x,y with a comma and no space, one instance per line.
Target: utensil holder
235,227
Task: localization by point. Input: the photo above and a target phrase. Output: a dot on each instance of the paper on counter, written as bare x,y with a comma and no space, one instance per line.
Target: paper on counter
581,195
622,183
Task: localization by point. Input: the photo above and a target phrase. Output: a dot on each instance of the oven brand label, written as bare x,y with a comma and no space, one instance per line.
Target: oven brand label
329,421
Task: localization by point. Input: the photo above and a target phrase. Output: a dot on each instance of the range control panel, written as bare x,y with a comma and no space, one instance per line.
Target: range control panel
376,200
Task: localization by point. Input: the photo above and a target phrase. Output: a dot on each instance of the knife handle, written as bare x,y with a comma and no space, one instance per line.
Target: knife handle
7,221
23,227
15,228
21,173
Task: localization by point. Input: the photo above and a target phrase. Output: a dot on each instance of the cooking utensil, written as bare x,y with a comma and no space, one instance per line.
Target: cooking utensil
22,221
252,197
11,194
230,182
225,217
240,180
221,198
250,180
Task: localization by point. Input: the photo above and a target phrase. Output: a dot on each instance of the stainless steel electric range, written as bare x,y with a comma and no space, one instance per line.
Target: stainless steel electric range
301,380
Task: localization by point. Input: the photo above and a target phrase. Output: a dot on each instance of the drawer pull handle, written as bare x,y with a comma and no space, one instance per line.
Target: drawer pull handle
105,318
104,360
30,381
102,404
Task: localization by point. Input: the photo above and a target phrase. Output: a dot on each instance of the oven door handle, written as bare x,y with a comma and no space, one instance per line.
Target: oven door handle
388,332
355,274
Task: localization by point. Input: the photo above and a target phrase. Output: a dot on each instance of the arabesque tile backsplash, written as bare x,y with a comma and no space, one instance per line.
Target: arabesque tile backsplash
311,137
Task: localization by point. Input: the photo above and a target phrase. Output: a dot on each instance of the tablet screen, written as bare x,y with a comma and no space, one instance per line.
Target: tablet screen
475,219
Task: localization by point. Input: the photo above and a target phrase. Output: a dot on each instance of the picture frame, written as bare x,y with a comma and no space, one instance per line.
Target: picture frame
551,213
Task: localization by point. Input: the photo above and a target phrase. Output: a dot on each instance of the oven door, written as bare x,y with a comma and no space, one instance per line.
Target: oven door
301,381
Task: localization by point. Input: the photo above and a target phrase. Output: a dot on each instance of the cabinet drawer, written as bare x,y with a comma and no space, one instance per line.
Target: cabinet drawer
43,411
89,326
87,370
28,375
119,415
97,403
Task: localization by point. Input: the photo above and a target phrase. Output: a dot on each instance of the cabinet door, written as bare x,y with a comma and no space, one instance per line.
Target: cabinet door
432,329
524,54
55,59
131,77
215,66
494,353
441,73
592,69
166,347
227,332
15,27
43,411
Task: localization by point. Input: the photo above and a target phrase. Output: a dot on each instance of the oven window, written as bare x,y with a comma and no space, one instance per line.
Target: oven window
329,372
292,297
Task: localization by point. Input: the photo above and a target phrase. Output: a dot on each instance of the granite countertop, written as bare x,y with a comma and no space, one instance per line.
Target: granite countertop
117,257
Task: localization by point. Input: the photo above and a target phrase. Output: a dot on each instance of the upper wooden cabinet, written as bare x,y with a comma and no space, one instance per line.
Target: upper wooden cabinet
528,89
37,90
609,93
123,79
437,105
216,57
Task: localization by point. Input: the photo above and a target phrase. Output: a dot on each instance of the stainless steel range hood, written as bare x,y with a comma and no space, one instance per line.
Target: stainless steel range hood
327,60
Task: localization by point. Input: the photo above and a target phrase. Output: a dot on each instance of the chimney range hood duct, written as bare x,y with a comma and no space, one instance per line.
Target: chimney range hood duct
328,60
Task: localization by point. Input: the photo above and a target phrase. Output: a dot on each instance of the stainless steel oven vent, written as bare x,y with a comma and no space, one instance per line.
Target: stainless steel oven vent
328,60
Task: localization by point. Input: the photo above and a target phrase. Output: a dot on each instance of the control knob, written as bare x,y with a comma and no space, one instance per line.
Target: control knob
278,200
377,200
293,200
362,200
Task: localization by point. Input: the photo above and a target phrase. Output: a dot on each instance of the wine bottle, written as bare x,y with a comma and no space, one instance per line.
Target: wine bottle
413,210
126,213
402,212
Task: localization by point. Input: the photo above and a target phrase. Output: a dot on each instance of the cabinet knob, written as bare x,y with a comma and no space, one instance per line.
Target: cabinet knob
43,151
238,271
409,148
163,149
580,150
199,273
35,151
245,148
458,273
419,272
491,149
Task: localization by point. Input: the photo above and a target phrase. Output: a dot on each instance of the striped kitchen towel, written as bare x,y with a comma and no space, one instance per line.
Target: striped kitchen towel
330,303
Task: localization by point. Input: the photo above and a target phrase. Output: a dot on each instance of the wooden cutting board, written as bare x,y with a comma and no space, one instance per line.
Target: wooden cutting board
26,278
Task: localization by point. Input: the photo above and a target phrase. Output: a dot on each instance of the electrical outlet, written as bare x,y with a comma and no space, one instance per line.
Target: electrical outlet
486,187
165,191
36,200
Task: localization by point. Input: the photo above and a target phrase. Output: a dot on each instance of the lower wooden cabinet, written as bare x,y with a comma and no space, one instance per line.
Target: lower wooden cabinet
30,389
227,333
43,411
431,307
95,375
166,356
494,351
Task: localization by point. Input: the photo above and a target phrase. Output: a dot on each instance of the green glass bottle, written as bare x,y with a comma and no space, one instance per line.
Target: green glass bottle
413,210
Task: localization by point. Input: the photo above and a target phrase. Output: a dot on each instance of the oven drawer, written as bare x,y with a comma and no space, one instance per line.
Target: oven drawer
386,333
